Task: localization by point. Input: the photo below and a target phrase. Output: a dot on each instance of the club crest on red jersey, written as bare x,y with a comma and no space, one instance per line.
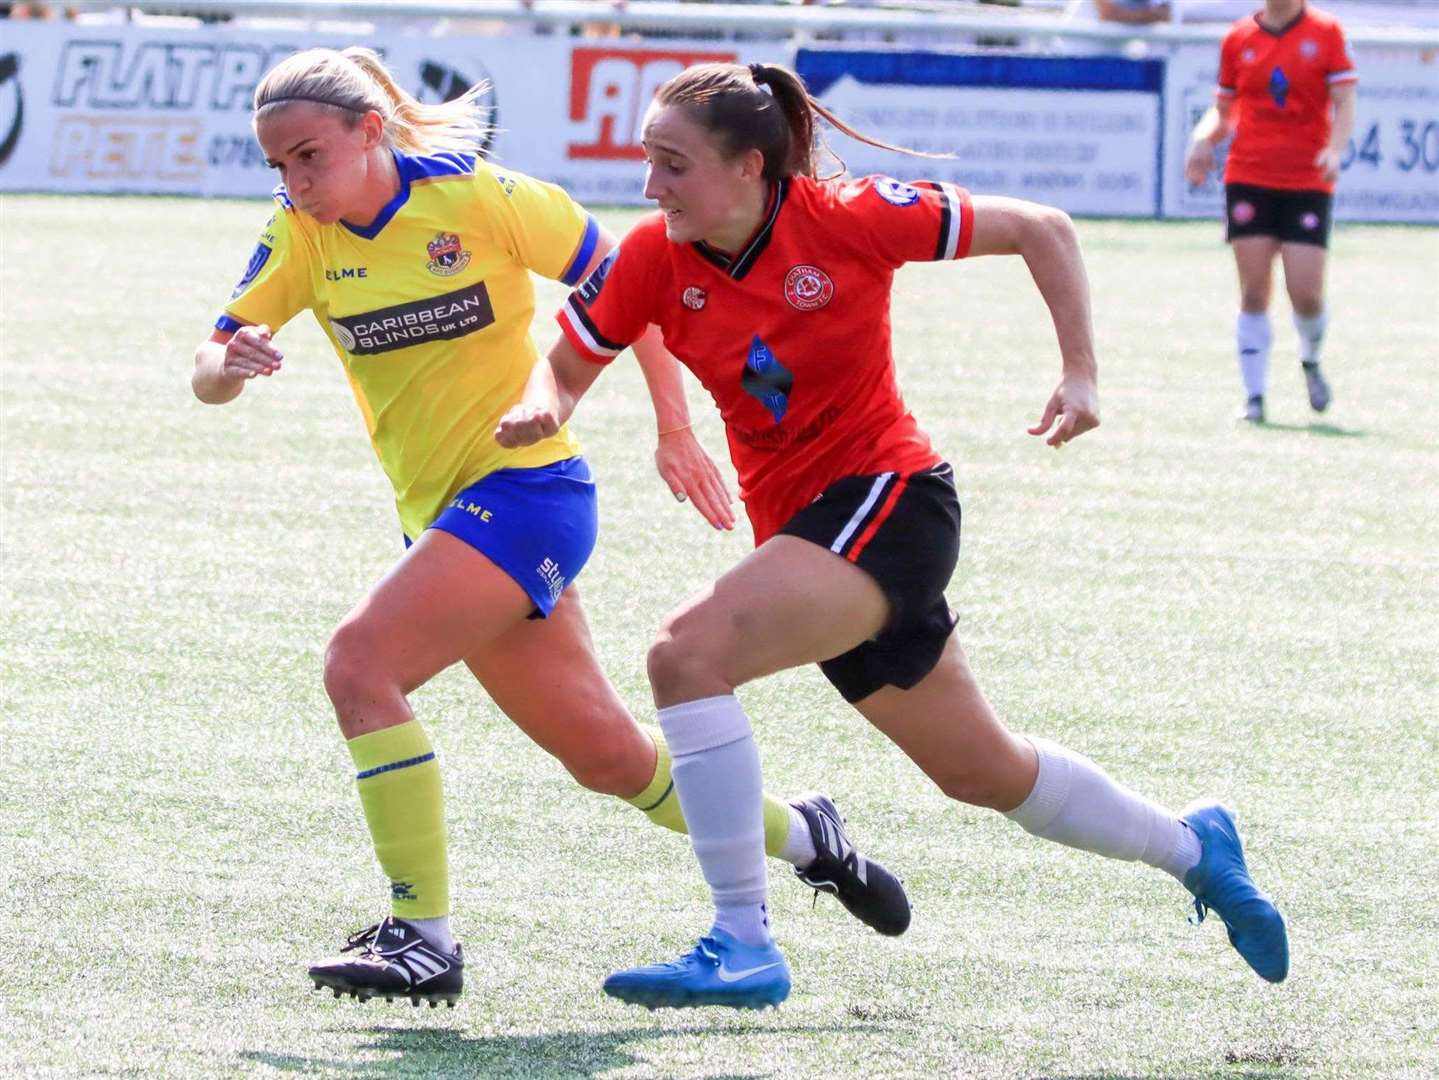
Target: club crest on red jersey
808,287
447,255
694,298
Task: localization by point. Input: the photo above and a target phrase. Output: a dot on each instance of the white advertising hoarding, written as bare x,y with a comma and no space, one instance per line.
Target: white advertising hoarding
127,109
130,109
1080,133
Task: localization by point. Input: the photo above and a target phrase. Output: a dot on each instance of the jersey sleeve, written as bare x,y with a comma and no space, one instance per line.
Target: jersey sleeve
1228,66
614,305
276,284
543,228
921,221
1341,67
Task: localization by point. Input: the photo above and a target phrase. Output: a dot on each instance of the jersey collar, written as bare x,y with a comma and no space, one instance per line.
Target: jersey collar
391,208
1290,25
741,264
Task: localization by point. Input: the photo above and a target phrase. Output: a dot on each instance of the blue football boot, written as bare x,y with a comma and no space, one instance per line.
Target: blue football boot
718,971
1221,883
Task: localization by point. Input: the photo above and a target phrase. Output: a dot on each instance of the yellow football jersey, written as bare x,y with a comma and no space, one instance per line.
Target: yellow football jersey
429,309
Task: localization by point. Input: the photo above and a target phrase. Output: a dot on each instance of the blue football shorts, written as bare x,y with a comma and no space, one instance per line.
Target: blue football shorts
537,525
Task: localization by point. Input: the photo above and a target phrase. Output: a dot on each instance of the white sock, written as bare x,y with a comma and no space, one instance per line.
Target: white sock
1311,335
1253,336
715,765
798,847
436,931
1074,802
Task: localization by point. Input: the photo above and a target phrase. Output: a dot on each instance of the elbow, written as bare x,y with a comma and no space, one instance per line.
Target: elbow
1051,228
1059,222
1036,233
206,387
198,383
201,392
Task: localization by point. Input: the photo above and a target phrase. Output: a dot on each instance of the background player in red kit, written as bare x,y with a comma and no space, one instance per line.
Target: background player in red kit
1286,92
773,287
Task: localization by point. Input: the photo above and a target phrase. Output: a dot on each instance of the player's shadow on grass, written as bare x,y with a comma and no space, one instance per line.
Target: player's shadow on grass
1246,1075
1328,431
443,1052
1226,1073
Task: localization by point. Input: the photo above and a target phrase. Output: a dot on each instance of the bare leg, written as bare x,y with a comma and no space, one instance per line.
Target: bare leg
441,602
544,676
948,730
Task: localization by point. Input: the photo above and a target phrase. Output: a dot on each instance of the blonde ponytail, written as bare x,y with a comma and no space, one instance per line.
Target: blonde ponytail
355,81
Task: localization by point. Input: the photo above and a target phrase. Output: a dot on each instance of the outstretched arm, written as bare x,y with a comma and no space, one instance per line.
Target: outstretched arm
1046,239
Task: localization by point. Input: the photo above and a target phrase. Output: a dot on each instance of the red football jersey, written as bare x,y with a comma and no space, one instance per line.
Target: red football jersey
1279,82
791,336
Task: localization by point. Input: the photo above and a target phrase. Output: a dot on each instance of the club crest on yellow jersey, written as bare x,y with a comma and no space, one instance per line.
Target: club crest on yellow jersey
447,255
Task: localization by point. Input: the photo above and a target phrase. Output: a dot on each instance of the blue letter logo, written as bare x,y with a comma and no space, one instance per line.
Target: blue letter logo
767,379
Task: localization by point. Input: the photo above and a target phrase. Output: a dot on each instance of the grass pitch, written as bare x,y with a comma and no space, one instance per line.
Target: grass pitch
1200,606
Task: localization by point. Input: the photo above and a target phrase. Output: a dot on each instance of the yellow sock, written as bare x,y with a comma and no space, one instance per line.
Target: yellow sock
399,784
661,805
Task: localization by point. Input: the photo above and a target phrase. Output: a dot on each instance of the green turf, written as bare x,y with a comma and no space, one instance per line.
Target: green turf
1200,606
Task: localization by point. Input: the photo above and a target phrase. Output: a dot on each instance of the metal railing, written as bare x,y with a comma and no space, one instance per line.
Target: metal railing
777,20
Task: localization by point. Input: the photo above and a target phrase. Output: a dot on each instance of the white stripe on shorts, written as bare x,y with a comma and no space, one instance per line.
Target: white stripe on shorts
854,522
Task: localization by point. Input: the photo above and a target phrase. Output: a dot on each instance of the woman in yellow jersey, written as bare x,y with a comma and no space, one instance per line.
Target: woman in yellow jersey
415,257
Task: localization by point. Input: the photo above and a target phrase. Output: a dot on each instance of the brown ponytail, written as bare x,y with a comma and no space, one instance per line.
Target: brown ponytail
727,100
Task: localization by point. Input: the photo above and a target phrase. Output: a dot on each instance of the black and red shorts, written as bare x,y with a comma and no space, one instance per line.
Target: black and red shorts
903,531
1292,217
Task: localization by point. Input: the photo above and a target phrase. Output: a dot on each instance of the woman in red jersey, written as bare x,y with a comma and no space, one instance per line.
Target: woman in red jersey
773,287
1286,93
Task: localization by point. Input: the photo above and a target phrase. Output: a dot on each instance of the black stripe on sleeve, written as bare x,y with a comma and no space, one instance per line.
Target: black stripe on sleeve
582,316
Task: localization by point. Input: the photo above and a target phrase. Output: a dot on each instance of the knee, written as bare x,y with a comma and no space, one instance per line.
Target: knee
681,665
1254,300
669,665
1307,305
350,670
